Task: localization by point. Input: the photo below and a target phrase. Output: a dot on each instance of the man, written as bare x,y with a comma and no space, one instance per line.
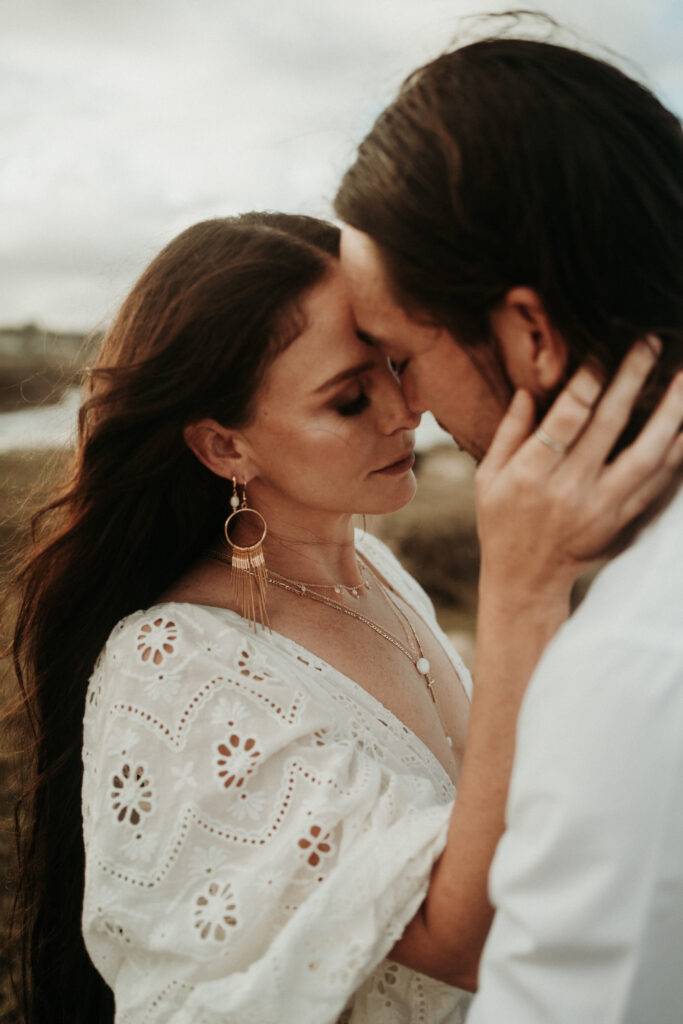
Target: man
518,211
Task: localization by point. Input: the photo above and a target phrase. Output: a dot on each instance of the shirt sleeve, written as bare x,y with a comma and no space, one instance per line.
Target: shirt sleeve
588,878
245,851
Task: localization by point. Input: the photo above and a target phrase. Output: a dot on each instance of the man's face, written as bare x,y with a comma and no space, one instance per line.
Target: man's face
436,373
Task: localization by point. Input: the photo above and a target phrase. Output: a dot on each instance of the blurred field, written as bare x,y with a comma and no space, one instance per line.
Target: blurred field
22,475
434,537
10,764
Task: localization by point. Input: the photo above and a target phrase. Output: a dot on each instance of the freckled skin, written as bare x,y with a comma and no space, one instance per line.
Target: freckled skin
310,460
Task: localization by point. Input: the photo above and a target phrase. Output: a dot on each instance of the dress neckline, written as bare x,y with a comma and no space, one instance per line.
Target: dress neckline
362,696
305,656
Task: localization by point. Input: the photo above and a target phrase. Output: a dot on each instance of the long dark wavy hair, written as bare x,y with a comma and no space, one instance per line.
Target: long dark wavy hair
512,161
192,340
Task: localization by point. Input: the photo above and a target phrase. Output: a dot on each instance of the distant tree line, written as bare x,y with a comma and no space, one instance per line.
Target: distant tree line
40,345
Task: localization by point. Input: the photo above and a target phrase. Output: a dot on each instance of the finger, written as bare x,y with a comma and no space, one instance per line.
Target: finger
614,409
657,443
512,431
568,415
657,485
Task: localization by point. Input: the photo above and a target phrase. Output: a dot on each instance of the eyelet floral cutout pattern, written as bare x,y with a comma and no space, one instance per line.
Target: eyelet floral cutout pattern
317,845
156,640
131,793
250,805
115,931
141,846
162,686
228,712
236,760
214,911
251,662
206,861
387,979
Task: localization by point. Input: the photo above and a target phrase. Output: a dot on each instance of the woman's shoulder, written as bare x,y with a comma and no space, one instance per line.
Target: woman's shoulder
155,635
164,669
163,649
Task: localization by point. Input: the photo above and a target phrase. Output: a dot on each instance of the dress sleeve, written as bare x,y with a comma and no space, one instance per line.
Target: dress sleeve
245,851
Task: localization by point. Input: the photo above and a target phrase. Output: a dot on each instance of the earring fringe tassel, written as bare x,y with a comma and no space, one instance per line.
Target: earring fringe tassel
250,580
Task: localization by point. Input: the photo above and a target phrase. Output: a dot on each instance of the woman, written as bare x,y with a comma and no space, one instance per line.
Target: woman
270,749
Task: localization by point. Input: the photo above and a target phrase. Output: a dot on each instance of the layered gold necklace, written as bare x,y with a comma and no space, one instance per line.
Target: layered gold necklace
411,649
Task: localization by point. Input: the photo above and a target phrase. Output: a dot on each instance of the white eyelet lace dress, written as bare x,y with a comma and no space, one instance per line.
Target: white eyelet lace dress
258,828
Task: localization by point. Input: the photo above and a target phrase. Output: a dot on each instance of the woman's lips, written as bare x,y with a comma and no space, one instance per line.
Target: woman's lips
401,466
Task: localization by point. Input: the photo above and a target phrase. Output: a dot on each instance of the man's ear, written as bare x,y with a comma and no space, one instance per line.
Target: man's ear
534,352
219,448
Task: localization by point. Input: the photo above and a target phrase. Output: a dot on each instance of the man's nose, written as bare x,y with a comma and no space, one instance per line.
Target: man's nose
411,395
401,415
396,414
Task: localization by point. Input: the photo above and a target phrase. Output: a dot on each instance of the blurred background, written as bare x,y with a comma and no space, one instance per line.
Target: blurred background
121,124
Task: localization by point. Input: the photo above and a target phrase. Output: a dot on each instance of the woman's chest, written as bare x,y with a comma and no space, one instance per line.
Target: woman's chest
406,670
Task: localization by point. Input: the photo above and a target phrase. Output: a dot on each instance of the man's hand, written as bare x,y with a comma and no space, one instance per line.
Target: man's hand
548,503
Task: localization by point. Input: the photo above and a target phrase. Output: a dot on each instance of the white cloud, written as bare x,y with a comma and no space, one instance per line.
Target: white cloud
122,123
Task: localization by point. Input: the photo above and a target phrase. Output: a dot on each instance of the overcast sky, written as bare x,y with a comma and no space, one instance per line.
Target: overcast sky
122,123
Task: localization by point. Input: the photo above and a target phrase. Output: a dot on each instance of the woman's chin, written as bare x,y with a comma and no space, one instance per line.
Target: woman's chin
394,498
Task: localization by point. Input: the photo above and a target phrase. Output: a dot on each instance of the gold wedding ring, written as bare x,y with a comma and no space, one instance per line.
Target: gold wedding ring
550,442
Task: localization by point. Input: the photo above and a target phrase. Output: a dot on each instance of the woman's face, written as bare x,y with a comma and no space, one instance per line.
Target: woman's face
331,432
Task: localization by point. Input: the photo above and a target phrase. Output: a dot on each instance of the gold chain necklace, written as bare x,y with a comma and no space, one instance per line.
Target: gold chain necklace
420,663
339,588
302,586
400,616
417,657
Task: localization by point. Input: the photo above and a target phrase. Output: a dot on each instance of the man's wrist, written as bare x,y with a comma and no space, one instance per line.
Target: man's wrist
524,596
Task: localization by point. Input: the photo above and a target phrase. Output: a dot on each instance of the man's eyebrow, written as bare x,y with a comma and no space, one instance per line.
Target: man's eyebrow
351,371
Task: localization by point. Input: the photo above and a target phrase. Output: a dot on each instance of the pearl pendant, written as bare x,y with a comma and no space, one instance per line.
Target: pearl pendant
234,502
422,665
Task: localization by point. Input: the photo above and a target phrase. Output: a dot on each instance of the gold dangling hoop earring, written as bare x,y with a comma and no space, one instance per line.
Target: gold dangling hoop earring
248,572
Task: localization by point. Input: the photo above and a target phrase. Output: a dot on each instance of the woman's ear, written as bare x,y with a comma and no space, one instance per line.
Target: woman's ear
534,352
218,448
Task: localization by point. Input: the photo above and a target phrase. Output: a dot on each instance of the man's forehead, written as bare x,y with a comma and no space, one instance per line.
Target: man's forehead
380,320
362,264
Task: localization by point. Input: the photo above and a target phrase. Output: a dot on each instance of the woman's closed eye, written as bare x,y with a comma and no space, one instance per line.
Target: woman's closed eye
353,406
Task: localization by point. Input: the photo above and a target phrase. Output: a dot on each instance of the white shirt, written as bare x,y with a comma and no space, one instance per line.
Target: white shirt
588,877
258,828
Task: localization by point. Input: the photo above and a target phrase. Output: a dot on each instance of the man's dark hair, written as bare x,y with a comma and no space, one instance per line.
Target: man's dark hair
516,162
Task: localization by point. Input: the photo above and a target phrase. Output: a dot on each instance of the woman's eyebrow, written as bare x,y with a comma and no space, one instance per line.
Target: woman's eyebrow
351,371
